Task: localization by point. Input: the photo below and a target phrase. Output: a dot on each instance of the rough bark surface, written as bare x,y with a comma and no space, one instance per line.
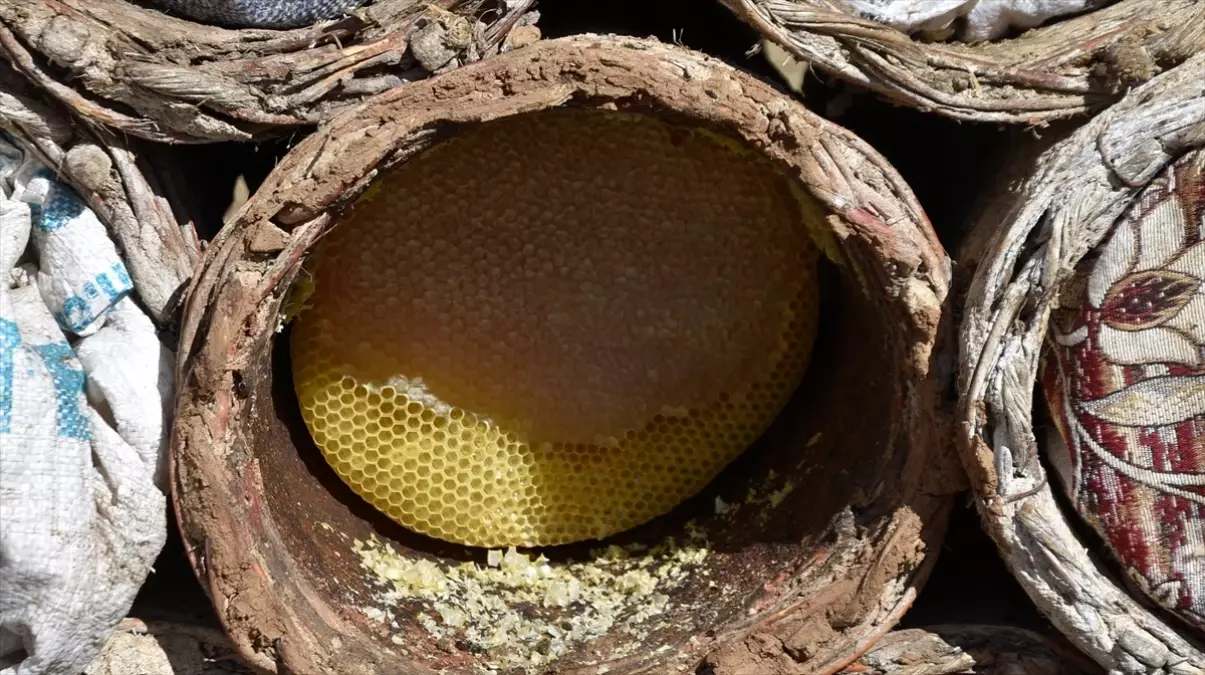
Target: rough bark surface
119,183
158,647
861,574
1061,70
154,76
1023,250
960,649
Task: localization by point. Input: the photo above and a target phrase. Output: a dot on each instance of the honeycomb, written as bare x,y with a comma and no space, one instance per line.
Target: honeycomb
555,327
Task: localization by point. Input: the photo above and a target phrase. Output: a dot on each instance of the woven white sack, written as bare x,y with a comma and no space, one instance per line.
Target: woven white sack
84,384
981,19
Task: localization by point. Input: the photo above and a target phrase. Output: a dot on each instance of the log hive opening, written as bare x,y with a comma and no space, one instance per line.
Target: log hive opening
588,355
563,342
660,284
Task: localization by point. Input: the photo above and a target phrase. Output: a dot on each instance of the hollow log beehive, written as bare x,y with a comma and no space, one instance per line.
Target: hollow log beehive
805,272
1081,402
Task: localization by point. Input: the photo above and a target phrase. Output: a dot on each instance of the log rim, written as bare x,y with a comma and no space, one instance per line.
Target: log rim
1068,68
1022,249
878,229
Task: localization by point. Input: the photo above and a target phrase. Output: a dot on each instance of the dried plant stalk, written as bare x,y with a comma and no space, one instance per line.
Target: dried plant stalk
1061,70
847,560
113,176
958,649
1024,250
150,75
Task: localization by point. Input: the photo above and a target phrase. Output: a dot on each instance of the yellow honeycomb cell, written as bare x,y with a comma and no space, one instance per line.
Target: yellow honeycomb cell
555,327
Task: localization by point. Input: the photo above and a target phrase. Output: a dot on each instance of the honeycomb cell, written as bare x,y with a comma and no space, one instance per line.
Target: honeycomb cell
575,318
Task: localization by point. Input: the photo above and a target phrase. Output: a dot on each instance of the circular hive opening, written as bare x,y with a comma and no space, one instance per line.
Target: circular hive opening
559,343
565,385
575,395
624,411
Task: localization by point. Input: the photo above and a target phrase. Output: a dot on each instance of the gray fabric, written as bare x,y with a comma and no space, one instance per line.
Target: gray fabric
259,13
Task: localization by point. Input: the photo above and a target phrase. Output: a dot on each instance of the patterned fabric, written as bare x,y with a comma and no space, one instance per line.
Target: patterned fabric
260,13
1126,388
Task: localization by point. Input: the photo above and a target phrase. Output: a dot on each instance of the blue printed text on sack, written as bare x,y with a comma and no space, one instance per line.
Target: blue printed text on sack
68,381
10,339
107,287
68,389
60,207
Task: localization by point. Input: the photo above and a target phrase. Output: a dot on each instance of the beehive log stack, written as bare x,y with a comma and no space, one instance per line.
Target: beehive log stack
1061,70
817,538
1081,345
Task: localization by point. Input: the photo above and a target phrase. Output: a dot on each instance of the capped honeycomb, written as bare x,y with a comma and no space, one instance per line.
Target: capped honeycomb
555,327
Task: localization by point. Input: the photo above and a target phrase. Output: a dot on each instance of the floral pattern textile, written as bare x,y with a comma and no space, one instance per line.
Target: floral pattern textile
1125,380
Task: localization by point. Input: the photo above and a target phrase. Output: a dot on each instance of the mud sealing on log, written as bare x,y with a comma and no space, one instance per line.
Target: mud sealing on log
816,539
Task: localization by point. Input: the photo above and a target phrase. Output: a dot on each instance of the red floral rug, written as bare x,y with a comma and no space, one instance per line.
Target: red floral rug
1126,388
